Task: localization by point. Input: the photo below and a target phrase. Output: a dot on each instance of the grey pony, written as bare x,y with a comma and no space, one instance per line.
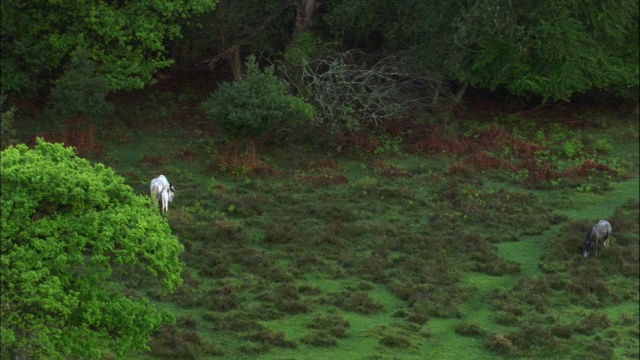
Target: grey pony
599,231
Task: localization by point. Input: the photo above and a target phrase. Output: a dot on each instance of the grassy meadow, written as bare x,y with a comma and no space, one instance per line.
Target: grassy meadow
429,239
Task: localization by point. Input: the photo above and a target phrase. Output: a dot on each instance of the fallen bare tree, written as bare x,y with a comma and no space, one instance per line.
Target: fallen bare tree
352,90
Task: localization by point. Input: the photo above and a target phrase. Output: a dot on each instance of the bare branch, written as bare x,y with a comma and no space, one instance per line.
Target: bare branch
350,93
256,31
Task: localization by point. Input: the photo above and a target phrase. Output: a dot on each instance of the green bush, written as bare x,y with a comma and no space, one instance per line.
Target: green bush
80,91
357,301
270,338
592,323
69,229
564,331
305,47
468,329
170,343
221,299
600,350
320,338
334,324
255,104
418,318
500,344
395,340
286,298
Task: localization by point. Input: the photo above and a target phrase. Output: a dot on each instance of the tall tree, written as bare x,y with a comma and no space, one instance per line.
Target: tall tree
126,38
305,11
238,27
550,49
68,229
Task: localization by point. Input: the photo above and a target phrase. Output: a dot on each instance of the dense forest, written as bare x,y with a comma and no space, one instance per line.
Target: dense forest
368,179
548,50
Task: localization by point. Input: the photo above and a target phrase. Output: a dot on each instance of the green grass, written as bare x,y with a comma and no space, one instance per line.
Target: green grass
394,256
404,247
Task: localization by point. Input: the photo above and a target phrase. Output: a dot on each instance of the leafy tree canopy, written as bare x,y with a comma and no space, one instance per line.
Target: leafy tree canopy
551,49
125,38
256,28
80,91
69,228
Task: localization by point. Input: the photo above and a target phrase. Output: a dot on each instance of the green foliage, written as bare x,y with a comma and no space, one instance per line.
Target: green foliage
334,324
68,229
320,338
500,344
549,49
395,340
126,38
256,104
171,343
390,146
80,91
269,338
468,329
303,48
306,47
357,301
236,23
7,130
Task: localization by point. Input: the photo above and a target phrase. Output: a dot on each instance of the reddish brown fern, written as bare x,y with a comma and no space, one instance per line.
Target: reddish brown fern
388,170
587,167
484,161
78,133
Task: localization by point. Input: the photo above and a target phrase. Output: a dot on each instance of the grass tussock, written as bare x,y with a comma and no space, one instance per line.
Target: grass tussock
171,343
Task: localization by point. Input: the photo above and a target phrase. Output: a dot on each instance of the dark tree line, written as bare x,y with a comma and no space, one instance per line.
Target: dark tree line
551,50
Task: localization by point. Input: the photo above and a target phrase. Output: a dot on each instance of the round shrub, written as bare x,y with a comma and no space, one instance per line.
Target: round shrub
468,329
80,91
500,344
255,104
334,324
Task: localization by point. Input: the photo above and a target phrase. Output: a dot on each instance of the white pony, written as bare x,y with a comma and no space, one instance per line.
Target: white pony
166,198
599,231
158,186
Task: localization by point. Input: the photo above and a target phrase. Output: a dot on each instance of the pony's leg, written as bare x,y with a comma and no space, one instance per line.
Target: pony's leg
165,204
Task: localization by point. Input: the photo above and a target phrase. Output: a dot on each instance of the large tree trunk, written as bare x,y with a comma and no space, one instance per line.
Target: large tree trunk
232,54
461,90
436,96
182,52
235,60
304,16
18,355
